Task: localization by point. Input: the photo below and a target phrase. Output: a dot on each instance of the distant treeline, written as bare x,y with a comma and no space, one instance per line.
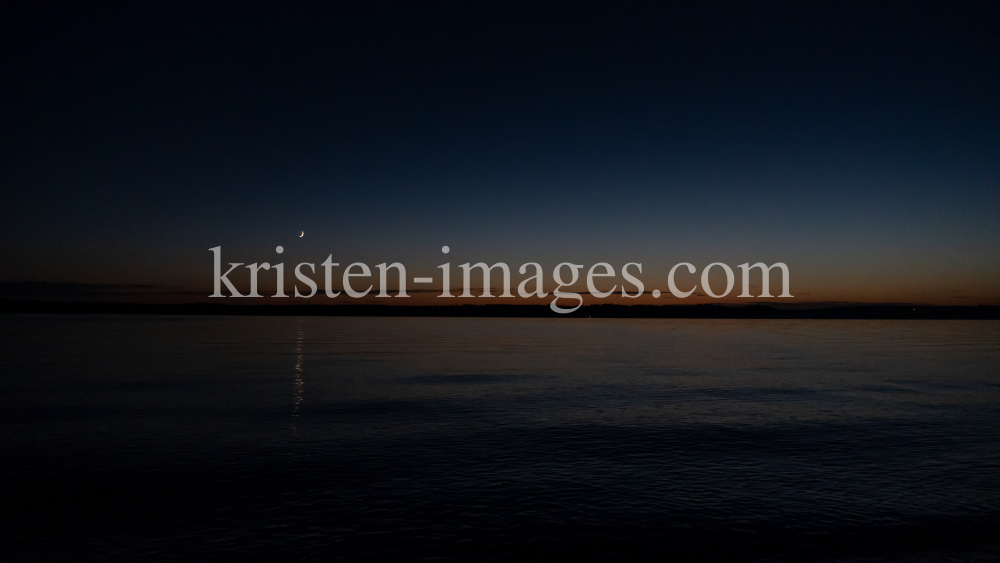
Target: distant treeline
606,311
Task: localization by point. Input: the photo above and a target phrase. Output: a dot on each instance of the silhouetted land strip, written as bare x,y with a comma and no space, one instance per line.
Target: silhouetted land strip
594,311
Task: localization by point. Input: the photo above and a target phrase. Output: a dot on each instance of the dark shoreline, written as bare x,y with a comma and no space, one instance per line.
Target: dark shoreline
982,312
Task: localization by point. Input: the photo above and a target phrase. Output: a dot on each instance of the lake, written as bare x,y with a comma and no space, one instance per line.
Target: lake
221,438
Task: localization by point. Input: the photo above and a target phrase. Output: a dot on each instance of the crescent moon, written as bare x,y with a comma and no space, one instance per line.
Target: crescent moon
303,234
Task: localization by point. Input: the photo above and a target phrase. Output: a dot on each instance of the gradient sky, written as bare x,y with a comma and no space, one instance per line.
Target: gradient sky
858,144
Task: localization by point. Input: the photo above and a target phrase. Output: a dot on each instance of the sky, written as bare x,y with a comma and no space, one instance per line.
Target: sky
857,143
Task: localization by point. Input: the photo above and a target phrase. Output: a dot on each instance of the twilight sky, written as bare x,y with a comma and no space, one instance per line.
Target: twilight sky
858,144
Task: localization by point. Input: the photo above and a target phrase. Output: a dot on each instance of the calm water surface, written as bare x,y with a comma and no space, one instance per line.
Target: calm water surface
277,438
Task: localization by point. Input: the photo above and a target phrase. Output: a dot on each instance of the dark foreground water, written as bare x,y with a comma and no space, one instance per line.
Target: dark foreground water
270,438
